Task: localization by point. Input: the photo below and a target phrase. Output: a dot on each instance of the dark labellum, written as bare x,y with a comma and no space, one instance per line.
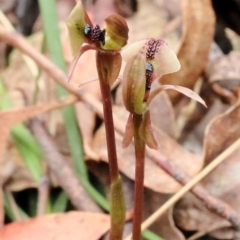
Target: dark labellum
148,74
95,34
102,37
98,35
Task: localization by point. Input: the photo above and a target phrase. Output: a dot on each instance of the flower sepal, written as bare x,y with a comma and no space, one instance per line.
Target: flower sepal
116,33
134,83
146,131
76,24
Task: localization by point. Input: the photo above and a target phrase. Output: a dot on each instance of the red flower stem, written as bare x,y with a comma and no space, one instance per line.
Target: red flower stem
110,135
107,112
139,177
105,64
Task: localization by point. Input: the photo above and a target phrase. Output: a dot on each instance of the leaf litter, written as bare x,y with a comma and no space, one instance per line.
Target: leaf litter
189,214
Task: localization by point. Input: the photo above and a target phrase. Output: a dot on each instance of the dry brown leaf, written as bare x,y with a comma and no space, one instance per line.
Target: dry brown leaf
61,226
155,178
162,114
63,171
86,121
225,69
190,214
198,20
214,110
223,73
223,233
221,132
148,22
222,183
168,228
163,226
9,118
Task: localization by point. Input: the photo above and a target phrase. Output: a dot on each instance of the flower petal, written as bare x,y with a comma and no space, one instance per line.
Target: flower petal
162,58
131,50
165,60
76,58
186,91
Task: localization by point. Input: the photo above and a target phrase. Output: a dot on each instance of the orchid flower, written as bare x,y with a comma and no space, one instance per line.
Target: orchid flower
107,43
147,60
81,30
84,36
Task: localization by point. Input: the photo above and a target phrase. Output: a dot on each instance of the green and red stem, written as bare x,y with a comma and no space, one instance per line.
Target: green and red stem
139,177
117,204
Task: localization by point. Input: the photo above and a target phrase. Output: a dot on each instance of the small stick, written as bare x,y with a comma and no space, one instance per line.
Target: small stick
213,204
43,195
66,177
190,185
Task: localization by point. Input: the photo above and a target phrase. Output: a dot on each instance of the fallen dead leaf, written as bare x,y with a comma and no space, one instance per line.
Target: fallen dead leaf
225,70
190,213
164,118
221,132
155,178
8,117
61,226
63,171
198,21
163,226
223,74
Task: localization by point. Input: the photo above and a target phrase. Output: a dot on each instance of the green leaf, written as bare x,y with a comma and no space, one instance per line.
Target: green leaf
149,235
25,142
9,209
60,204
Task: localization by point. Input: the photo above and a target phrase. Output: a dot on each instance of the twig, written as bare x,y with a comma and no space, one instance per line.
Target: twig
21,43
189,185
29,62
16,40
66,177
43,195
212,203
